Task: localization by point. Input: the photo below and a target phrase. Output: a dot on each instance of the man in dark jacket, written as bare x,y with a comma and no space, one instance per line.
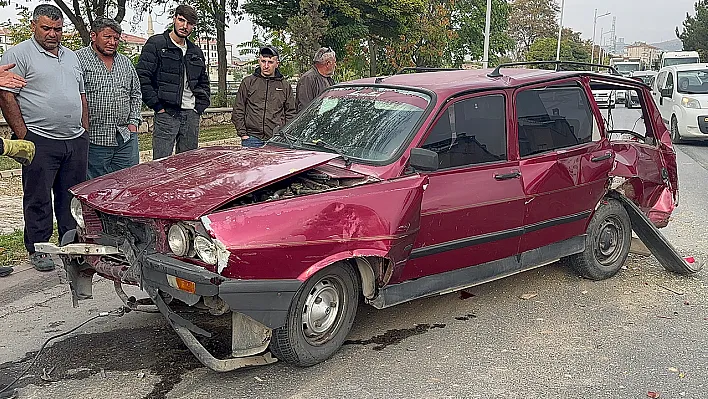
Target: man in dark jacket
175,83
264,100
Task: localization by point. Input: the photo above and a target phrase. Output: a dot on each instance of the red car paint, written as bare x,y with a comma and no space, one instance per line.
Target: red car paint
392,211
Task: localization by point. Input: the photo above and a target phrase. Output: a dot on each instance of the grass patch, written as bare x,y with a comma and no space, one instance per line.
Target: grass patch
12,247
211,133
7,163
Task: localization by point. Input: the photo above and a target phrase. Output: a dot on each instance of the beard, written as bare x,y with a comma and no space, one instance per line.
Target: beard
183,35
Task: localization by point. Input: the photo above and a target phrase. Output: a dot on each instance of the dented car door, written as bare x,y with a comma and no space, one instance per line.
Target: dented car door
473,206
564,161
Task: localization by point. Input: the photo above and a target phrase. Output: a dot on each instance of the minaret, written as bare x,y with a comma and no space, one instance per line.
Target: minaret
150,30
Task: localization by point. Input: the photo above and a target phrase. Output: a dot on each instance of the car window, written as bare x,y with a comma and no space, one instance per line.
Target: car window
554,117
470,131
660,80
669,81
692,82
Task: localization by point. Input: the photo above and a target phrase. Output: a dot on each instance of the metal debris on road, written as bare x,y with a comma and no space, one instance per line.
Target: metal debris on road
528,296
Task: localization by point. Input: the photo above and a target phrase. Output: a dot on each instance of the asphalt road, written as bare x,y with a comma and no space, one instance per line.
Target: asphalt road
644,330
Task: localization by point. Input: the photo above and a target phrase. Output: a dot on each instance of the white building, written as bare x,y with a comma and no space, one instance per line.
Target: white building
5,39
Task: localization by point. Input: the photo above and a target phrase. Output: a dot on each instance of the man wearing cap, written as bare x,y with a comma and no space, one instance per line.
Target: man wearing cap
313,82
264,100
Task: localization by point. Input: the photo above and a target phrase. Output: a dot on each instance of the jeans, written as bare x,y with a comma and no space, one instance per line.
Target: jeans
253,142
57,165
103,160
180,127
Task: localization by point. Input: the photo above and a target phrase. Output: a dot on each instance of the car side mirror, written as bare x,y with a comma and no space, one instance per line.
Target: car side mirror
424,160
667,92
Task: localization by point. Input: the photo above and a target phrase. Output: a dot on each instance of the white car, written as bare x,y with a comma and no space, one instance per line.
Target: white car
605,98
681,93
632,97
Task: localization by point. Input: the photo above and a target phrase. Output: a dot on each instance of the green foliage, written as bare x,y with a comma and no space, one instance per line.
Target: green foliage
694,34
449,31
306,31
530,20
573,48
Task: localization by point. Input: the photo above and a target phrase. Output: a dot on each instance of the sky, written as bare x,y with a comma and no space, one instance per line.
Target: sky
637,20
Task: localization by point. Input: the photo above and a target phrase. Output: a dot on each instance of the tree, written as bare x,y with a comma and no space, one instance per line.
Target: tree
306,31
448,32
573,48
530,20
350,21
695,30
91,10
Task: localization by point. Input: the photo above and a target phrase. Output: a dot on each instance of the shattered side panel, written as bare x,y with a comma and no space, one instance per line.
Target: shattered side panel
645,180
294,238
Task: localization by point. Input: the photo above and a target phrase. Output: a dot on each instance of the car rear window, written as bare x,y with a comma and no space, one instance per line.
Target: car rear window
553,117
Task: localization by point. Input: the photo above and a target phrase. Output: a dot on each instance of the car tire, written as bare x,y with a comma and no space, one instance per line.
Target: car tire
607,242
675,134
311,333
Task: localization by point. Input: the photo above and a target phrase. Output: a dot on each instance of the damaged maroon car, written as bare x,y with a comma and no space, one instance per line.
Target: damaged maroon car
387,189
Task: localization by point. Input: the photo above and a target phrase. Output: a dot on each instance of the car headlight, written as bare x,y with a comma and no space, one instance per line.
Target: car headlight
77,212
206,249
178,239
689,102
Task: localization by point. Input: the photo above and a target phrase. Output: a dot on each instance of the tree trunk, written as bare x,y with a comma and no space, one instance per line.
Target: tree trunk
373,50
221,47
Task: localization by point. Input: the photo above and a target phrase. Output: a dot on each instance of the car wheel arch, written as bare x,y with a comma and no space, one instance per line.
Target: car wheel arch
372,266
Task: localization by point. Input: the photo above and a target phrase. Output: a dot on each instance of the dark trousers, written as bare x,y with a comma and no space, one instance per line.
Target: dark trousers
103,160
57,166
182,129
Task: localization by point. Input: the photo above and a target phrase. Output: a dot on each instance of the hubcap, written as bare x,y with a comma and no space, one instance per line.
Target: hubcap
609,241
322,310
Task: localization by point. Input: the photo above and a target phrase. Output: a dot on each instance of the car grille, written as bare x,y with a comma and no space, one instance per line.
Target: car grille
703,124
118,227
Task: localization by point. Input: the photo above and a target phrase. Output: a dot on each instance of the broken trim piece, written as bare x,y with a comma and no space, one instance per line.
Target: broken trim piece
198,350
659,246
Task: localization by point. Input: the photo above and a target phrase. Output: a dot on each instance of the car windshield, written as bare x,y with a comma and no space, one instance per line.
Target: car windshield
627,67
680,61
692,82
366,123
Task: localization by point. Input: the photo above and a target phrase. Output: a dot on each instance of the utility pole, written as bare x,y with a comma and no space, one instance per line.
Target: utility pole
487,28
594,27
560,30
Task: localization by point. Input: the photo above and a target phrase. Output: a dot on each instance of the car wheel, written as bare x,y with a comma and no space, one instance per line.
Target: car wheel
675,135
607,242
320,317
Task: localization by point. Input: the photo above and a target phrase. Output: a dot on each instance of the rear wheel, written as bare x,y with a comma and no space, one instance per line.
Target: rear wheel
607,242
675,134
320,317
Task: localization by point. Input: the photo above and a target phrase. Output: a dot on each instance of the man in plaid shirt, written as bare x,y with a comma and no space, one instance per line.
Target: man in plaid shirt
114,100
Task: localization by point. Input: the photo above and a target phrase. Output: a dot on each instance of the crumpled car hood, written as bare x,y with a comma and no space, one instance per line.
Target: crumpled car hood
191,184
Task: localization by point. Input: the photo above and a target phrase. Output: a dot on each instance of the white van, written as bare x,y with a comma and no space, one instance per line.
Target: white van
671,58
681,93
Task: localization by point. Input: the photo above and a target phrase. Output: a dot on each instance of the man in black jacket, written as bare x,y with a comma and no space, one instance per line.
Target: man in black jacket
175,83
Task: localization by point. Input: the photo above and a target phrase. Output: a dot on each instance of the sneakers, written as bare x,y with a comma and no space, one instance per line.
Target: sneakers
42,262
5,271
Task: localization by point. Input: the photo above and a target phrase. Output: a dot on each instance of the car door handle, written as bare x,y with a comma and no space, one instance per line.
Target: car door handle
507,176
601,157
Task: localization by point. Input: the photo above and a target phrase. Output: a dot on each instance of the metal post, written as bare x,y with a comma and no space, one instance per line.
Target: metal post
560,30
594,25
487,28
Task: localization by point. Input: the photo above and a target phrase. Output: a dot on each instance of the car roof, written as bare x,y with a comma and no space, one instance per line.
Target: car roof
446,83
686,67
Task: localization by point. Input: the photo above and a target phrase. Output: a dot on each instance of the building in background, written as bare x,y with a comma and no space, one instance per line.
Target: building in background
5,40
647,53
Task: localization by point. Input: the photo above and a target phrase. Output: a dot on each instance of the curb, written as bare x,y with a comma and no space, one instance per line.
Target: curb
6,174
